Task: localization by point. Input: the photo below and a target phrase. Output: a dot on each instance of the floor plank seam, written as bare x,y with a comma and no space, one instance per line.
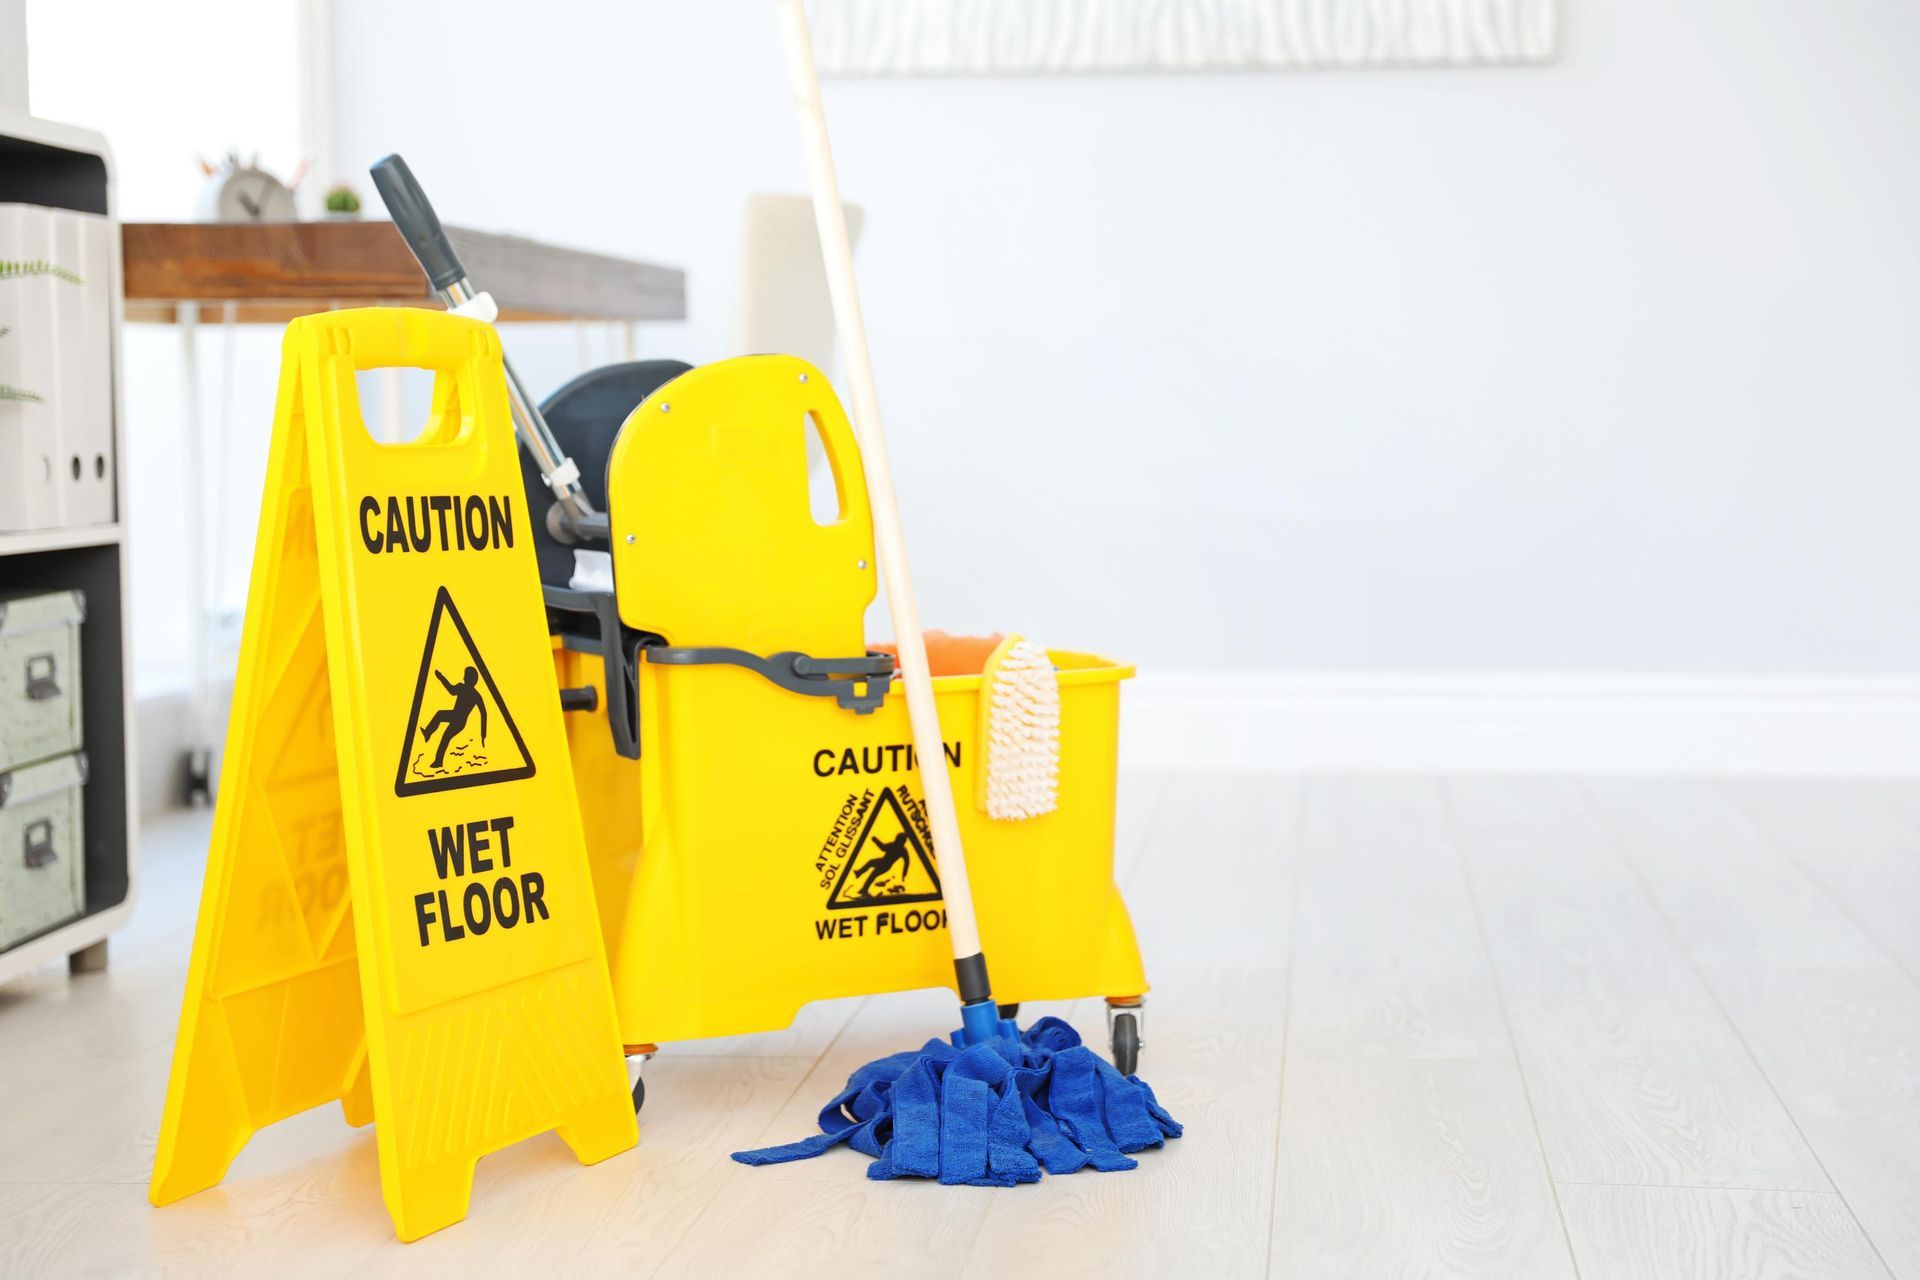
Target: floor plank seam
1597,811
1126,867
1286,1014
807,1075
668,1054
1360,1059
1690,1186
686,1233
1908,818
1456,839
1138,843
1764,833
719,1184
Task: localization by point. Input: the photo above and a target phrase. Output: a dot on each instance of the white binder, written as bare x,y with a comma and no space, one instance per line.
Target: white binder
56,310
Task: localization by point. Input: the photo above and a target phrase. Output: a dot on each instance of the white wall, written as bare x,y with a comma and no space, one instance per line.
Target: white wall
1609,365
166,92
13,55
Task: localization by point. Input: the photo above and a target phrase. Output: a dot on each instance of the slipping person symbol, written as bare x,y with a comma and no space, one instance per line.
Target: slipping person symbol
892,851
466,700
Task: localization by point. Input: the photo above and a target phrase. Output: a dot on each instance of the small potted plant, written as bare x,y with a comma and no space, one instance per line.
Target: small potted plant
342,203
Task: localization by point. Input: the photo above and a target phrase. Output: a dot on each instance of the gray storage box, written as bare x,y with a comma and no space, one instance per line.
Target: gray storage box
42,849
40,677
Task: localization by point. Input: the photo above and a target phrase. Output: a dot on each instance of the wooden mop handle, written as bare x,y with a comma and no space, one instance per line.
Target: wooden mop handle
837,250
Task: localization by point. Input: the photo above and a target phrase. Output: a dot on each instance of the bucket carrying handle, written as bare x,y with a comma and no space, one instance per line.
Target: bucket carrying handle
859,685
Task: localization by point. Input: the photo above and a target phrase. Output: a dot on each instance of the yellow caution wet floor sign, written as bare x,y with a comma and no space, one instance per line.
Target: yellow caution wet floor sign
398,912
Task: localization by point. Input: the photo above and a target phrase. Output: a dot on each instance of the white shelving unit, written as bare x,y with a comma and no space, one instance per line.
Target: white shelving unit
63,167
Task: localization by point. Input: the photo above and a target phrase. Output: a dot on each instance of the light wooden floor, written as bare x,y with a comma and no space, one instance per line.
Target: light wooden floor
1526,1028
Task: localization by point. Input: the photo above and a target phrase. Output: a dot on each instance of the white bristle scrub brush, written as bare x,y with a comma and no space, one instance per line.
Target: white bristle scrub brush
1020,732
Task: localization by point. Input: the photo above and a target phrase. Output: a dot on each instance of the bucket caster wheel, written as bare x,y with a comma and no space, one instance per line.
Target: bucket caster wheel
1123,1035
1010,1011
637,1056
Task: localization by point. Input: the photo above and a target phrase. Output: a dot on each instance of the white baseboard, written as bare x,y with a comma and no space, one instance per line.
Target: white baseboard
1522,723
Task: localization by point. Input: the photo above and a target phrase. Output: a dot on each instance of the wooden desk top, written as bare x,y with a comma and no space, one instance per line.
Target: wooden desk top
274,271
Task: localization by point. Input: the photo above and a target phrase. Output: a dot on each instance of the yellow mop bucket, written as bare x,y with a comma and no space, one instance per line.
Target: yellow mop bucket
768,847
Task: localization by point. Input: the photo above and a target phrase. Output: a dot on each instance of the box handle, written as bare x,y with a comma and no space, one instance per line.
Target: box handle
38,843
41,684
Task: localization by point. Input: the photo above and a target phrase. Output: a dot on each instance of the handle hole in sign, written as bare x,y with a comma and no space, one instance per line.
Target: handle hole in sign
397,404
823,489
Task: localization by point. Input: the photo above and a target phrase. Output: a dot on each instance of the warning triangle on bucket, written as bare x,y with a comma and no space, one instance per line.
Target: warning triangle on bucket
889,862
459,732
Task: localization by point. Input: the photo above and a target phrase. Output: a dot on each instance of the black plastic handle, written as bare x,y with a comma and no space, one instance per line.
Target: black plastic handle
419,225
40,682
37,844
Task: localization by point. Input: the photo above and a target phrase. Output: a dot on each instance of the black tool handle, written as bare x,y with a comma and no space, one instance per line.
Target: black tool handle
585,698
419,225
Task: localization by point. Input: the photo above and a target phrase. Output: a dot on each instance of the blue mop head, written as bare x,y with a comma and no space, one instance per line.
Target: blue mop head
991,1115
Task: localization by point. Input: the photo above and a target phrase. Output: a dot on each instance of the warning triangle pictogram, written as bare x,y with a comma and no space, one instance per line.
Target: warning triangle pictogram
889,862
459,732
